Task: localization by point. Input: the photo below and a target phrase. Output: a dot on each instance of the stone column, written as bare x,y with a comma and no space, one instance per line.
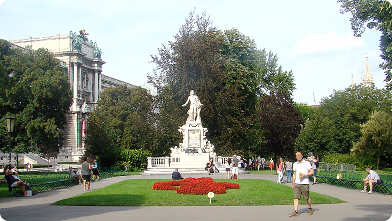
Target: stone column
96,85
75,80
167,159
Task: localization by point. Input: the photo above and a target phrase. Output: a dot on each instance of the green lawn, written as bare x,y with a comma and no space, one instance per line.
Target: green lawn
140,193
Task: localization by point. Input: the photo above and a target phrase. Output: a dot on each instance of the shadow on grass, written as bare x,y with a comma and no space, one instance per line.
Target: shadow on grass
97,200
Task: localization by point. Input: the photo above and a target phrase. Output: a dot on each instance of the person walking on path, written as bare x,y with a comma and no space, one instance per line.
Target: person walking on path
228,168
271,164
95,170
289,168
280,169
302,170
372,178
86,173
263,162
258,163
235,167
314,162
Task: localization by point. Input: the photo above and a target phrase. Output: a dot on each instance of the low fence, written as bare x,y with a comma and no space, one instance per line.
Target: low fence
336,166
51,181
353,180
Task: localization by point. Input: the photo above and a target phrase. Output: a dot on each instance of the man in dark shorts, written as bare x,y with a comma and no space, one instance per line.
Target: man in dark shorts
302,170
86,173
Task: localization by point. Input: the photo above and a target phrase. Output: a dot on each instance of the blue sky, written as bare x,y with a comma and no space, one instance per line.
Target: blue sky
311,37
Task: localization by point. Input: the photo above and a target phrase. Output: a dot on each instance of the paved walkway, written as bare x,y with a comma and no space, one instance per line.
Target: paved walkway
359,206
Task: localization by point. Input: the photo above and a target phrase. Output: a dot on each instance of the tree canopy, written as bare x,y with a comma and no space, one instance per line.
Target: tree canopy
123,120
375,14
336,124
36,91
376,139
228,73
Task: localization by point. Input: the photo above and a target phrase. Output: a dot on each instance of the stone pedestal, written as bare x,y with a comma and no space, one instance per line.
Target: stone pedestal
195,150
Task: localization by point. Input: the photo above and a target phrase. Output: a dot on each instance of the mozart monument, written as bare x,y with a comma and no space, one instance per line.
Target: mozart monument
194,151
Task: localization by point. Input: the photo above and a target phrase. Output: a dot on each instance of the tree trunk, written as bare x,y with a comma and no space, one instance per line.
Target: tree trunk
378,163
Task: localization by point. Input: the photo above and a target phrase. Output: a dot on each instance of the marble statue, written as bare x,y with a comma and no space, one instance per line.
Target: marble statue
194,108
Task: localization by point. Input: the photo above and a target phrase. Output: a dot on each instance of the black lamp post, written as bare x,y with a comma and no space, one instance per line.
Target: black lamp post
10,128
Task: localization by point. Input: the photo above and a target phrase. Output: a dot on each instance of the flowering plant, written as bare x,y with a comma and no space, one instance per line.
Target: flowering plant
196,186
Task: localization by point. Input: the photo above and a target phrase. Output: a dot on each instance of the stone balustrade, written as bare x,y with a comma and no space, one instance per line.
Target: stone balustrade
164,162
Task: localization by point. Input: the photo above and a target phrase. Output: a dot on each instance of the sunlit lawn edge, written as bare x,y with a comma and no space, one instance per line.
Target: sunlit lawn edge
140,193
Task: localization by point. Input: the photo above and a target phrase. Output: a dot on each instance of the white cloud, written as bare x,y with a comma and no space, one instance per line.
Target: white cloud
316,43
1,2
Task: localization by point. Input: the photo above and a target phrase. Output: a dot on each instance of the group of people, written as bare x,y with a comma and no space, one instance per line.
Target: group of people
13,180
282,167
83,174
232,167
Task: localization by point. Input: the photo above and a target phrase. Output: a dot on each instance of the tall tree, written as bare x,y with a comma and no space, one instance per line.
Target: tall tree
281,123
217,66
337,123
376,140
375,14
38,94
227,72
128,115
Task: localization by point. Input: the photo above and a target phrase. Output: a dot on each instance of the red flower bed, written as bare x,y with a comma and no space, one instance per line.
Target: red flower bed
196,186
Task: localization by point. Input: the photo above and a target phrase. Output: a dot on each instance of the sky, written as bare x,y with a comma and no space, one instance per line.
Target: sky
310,37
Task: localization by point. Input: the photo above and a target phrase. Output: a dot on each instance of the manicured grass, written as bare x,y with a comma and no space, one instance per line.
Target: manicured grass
140,193
4,190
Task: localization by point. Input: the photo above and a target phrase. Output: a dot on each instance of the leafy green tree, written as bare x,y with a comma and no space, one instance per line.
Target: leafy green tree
307,112
100,142
227,72
337,123
376,140
281,122
127,116
38,94
374,14
316,135
270,76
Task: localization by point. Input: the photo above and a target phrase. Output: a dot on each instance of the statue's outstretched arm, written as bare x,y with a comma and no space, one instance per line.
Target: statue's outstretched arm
186,102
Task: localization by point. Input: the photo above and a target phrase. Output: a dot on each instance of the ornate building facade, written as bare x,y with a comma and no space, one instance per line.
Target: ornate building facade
82,59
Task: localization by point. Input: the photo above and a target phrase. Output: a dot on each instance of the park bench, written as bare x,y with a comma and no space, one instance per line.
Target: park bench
63,183
383,188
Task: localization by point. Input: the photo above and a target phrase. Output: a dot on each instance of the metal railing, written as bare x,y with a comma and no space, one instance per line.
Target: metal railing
336,166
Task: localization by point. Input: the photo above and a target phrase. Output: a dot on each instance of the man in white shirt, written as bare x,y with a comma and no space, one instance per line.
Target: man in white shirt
371,178
302,170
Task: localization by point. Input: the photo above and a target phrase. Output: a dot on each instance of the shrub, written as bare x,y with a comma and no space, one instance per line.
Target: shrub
135,159
361,162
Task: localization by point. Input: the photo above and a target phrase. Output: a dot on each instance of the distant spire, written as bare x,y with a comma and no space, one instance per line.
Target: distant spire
352,80
368,79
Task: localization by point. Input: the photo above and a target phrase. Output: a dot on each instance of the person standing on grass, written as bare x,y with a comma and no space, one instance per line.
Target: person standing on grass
302,170
371,179
86,173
